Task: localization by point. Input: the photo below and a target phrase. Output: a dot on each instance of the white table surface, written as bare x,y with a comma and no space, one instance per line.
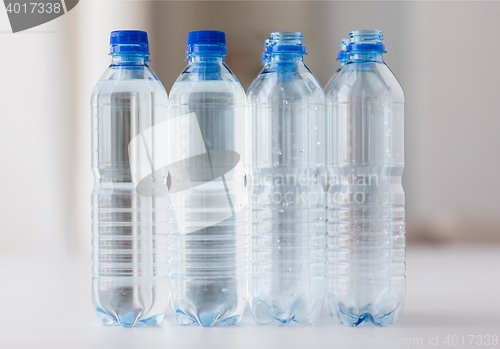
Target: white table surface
452,291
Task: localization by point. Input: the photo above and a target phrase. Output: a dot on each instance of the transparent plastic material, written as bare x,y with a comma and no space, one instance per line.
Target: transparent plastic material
366,216
343,58
129,229
287,157
207,191
265,55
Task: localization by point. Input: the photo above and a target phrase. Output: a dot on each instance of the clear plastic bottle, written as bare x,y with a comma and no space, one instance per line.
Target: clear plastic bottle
265,55
129,223
366,216
342,57
287,160
207,187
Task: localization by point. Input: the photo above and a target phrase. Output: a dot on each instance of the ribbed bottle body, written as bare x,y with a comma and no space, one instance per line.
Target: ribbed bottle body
286,166
129,229
366,216
207,191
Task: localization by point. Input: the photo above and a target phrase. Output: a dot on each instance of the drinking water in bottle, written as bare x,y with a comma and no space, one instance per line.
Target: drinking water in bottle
130,215
206,185
342,57
286,165
366,216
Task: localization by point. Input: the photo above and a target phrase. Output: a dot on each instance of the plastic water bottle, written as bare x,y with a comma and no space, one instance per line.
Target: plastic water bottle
265,55
264,58
342,57
366,216
206,184
287,160
129,209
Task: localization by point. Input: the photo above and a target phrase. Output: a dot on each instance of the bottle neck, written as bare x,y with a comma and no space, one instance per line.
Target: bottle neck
286,57
364,56
123,59
205,58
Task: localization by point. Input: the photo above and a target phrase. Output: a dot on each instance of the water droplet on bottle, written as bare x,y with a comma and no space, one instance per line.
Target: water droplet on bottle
301,149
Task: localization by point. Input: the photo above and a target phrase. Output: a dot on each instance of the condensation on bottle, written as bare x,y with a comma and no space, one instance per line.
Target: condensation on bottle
286,187
366,215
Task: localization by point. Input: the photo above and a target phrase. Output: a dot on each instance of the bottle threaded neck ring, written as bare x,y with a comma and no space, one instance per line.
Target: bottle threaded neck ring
286,42
365,40
265,54
342,55
344,43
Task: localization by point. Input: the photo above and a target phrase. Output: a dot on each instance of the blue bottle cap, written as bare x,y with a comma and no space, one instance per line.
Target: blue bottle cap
129,41
208,41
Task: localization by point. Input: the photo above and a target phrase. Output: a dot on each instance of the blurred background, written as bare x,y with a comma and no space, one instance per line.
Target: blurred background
445,55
